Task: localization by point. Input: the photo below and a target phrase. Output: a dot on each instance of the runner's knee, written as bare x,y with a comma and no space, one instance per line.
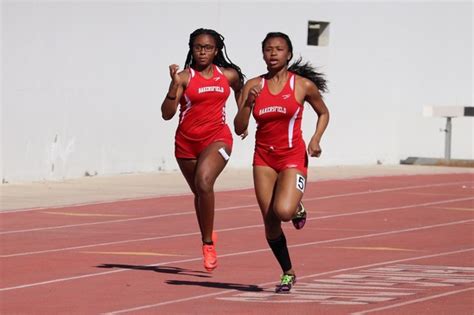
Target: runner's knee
204,184
284,212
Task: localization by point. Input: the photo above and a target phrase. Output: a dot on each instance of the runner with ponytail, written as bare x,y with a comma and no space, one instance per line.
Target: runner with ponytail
275,99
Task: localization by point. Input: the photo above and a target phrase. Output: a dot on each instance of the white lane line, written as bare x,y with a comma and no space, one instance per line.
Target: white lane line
230,190
238,254
222,209
232,229
196,297
387,190
427,298
119,220
424,204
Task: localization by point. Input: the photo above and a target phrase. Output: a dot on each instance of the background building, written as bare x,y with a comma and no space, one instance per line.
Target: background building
82,82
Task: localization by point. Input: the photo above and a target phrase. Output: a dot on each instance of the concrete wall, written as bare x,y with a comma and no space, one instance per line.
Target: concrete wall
82,82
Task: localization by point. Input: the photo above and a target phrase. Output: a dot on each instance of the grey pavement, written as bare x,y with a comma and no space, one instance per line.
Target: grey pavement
99,189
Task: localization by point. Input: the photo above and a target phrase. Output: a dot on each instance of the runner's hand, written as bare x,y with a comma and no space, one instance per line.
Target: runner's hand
254,92
244,134
174,73
314,149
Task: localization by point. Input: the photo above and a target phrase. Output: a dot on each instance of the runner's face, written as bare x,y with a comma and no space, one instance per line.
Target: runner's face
204,50
276,53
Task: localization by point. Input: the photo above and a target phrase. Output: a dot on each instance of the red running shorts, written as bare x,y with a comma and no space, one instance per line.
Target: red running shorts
186,148
281,159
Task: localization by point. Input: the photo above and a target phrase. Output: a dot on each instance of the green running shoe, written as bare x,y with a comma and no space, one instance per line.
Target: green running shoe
286,283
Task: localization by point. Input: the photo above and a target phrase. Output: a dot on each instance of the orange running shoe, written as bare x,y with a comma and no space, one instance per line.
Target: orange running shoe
210,257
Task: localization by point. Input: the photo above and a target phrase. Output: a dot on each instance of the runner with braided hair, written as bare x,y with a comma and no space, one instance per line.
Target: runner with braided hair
203,141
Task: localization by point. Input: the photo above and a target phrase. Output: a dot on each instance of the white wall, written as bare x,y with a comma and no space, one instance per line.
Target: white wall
83,81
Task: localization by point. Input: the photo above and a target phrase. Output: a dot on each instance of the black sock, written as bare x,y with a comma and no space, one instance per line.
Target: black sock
208,243
280,250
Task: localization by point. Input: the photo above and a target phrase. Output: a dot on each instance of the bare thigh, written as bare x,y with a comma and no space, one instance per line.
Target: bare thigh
188,169
209,165
205,169
288,193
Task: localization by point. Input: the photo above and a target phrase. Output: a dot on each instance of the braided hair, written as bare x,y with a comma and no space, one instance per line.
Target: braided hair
221,59
304,69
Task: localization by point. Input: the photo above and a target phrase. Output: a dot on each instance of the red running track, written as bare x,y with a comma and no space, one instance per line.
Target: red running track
379,245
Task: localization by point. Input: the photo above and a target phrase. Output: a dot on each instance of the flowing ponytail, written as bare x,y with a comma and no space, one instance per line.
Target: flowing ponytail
305,69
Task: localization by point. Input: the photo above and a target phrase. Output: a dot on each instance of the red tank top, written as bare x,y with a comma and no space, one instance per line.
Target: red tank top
202,106
278,117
